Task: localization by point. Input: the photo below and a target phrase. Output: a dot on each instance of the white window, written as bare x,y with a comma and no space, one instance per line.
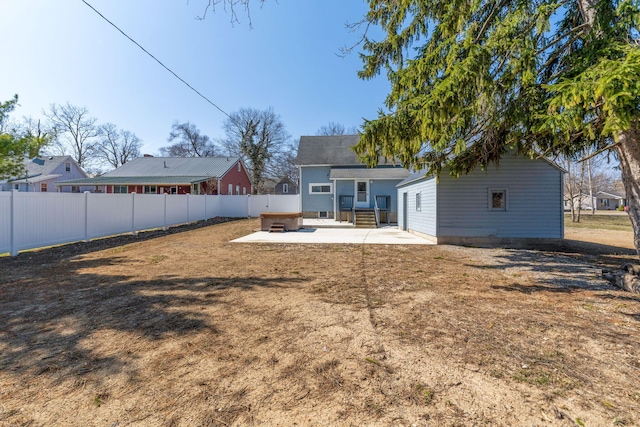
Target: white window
195,189
67,167
239,167
497,200
320,188
149,189
244,191
43,187
237,190
418,202
285,188
230,189
120,189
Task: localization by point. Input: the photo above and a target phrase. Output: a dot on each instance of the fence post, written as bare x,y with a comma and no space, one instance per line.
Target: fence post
206,215
164,221
187,207
14,248
133,213
86,216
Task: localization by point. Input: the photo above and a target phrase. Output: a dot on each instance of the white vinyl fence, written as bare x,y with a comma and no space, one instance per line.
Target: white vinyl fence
34,220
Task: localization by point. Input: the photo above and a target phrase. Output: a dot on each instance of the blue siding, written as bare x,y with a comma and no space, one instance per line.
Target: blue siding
315,202
534,201
425,220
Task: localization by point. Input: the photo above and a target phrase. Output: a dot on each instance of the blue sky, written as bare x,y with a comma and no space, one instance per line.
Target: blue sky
62,51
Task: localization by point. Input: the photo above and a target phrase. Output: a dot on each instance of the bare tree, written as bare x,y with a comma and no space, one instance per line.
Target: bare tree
189,142
231,6
336,129
76,131
259,136
117,147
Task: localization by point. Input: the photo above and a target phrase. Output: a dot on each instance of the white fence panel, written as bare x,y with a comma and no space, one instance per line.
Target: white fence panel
177,209
47,219
197,208
149,211
272,203
109,214
213,206
5,221
234,206
43,219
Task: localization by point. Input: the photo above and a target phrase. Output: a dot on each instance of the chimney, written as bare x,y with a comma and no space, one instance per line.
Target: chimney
148,155
165,163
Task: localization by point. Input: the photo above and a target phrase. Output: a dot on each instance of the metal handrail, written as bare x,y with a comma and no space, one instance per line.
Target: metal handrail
376,210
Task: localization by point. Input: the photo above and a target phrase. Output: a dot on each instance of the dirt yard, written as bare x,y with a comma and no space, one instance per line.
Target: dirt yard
188,329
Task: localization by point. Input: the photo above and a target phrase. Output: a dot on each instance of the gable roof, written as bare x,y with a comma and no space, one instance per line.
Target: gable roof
332,150
174,166
42,167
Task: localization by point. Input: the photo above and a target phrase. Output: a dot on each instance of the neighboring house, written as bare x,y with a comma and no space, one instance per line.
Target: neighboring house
286,186
584,201
333,182
610,200
516,202
174,175
42,174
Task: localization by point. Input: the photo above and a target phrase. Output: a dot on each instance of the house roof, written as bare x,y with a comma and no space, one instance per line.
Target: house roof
612,194
136,180
175,167
368,173
328,150
40,166
35,179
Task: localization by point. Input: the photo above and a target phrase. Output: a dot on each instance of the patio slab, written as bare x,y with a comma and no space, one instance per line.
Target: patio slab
373,236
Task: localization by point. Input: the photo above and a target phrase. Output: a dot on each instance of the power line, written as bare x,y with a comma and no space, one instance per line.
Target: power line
157,60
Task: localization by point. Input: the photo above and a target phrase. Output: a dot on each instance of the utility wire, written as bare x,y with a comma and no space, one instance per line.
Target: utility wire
157,60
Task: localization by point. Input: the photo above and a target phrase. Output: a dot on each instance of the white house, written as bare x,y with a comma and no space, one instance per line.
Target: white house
519,201
42,173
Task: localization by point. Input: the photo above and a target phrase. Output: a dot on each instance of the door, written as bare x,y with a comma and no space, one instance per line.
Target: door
405,199
362,194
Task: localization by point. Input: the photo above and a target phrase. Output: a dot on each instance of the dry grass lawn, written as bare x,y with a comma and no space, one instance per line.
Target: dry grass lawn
188,329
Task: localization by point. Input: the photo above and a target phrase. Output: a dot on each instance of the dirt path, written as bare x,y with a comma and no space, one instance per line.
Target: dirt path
189,329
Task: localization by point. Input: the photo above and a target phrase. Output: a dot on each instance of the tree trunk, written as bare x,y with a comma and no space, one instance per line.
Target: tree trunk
628,150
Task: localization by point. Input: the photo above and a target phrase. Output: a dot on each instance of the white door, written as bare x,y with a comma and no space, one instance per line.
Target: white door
362,194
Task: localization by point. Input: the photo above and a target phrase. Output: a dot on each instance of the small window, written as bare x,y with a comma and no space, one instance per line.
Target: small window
67,166
43,187
237,190
418,202
120,189
320,188
323,214
16,186
498,200
230,189
239,167
285,188
194,190
75,189
149,189
244,191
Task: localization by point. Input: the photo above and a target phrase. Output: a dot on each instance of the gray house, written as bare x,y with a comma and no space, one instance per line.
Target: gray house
43,173
334,184
519,201
611,200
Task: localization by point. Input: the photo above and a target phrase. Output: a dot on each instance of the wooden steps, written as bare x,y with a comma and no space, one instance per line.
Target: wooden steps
277,227
366,219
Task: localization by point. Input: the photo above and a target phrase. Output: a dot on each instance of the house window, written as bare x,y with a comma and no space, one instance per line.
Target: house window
237,190
244,191
230,189
149,189
75,189
320,188
323,214
285,188
498,200
120,189
239,167
16,186
418,202
67,166
195,189
43,187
